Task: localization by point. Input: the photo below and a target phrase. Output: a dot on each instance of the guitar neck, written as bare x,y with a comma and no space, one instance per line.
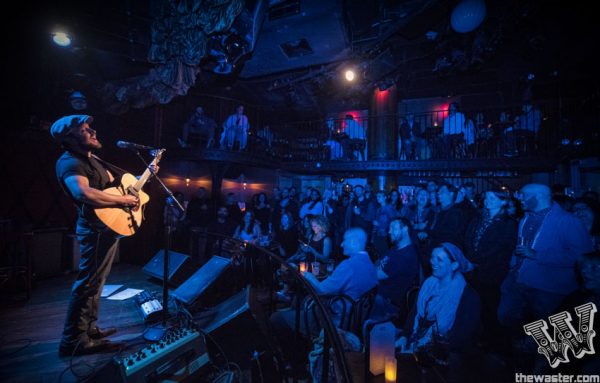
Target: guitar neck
147,173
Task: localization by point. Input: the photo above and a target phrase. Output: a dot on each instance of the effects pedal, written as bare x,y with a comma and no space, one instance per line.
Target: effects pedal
149,305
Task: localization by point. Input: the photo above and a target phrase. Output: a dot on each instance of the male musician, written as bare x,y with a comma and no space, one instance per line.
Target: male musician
83,177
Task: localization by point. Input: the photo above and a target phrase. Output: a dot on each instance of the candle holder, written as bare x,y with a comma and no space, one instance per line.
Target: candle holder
391,368
303,267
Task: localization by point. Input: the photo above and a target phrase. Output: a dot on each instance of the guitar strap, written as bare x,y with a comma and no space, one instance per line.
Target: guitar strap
117,171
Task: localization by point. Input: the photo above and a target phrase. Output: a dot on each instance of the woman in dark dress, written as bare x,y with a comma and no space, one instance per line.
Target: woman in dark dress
262,212
287,236
318,248
489,242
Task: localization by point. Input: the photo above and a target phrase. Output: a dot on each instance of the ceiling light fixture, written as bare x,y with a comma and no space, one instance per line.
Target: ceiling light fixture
349,75
61,39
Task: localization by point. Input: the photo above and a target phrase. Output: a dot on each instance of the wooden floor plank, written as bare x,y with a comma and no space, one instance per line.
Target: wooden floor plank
30,330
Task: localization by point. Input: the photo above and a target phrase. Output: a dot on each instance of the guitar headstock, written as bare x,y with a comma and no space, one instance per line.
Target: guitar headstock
157,153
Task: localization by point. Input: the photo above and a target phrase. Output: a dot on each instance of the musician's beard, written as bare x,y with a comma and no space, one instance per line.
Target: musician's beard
91,145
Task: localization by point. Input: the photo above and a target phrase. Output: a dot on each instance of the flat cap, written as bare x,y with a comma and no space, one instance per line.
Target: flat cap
61,127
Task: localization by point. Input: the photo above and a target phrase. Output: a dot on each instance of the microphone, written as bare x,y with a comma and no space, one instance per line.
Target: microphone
131,145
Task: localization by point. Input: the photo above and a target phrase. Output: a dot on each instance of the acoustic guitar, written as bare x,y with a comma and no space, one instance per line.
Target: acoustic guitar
126,221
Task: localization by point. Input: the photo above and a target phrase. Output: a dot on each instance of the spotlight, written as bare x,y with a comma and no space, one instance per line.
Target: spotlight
61,39
578,142
349,75
565,142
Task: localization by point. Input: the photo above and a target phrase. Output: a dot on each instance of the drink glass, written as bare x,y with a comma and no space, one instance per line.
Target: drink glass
330,267
315,268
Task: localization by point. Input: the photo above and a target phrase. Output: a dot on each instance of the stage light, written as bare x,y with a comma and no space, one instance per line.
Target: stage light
61,39
350,75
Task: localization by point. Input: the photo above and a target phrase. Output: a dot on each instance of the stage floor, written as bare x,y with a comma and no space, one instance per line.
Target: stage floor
30,331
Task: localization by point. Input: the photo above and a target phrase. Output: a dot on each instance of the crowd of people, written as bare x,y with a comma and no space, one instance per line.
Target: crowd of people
447,133
486,263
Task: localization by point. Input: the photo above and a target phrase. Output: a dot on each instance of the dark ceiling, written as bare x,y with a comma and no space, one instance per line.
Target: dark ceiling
290,53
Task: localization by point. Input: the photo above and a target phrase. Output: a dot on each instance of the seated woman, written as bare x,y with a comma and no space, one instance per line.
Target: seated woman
318,248
249,230
447,312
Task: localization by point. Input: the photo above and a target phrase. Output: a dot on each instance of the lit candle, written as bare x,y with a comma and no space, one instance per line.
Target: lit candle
303,267
390,369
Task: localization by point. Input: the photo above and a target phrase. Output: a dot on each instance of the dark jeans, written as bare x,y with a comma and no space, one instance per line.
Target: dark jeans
520,303
98,251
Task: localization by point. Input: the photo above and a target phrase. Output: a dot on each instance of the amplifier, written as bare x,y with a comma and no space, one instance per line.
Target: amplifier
176,358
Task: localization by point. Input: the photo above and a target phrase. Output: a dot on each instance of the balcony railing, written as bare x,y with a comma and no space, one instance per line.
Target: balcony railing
542,131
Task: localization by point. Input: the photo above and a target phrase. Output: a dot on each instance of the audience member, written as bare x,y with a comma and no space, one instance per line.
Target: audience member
286,237
489,242
465,204
397,272
318,248
396,203
421,217
201,125
314,206
361,211
235,213
589,269
333,141
262,212
235,128
410,136
353,277
451,221
550,240
383,216
432,187
199,209
522,134
249,230
447,315
354,145
455,133
587,212
223,225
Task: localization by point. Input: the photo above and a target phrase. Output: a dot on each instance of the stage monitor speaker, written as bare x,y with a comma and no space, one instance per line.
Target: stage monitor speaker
180,267
232,326
202,281
46,249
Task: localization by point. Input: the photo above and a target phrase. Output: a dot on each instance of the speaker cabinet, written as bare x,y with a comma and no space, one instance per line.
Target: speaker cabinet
180,267
46,249
205,282
233,328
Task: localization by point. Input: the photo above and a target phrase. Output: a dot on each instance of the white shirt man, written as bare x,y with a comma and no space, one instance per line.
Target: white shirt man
235,128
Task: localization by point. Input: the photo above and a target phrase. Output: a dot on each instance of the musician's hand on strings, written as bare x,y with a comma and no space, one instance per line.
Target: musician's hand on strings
130,201
154,168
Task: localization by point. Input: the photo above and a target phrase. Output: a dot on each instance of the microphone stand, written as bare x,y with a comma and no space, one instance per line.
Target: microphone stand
155,333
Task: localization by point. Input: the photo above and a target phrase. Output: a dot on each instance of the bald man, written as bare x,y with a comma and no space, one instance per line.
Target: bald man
353,277
550,240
